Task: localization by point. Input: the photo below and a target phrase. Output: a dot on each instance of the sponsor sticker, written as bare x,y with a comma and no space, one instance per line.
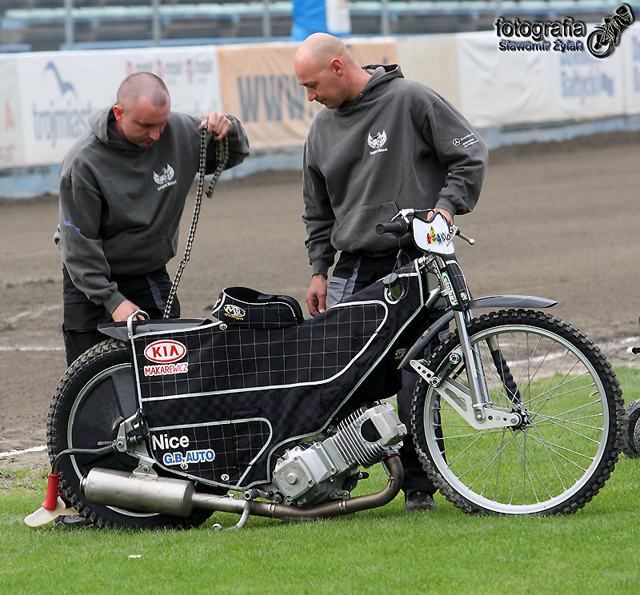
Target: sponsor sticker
449,288
192,456
166,353
234,311
400,353
166,369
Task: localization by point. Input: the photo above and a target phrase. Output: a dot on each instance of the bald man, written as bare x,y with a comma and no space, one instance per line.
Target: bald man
383,144
123,187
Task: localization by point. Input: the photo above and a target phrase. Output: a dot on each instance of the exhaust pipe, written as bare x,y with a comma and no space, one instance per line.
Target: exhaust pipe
178,497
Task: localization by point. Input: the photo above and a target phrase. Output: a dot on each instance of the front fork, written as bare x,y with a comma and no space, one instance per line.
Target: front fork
473,403
478,389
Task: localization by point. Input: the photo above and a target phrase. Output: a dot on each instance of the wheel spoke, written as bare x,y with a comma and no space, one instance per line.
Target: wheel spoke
568,400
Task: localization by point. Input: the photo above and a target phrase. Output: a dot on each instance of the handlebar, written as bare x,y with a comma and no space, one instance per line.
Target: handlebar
398,228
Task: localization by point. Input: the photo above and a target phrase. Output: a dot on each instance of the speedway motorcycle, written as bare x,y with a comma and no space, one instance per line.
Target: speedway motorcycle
606,38
263,413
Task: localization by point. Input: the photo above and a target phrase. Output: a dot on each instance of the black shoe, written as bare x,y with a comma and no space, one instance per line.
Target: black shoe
72,520
419,500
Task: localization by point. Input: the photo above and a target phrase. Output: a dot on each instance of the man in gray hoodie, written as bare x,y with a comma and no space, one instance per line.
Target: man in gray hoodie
123,187
384,143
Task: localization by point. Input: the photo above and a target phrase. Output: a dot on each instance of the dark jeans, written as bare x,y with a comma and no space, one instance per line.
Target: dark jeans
352,273
81,316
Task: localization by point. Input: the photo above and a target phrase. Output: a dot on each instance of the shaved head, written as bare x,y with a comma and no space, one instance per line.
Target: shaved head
142,109
322,48
142,84
325,67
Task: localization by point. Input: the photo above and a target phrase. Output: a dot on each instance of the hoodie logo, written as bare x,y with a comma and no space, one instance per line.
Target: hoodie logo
165,178
465,141
377,141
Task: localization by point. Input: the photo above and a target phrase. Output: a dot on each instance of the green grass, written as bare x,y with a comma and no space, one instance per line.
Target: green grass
380,551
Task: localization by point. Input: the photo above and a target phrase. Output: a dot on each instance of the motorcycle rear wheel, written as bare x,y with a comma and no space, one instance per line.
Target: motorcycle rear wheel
571,404
94,396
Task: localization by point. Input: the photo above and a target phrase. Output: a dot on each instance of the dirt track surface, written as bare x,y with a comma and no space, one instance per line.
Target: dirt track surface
558,220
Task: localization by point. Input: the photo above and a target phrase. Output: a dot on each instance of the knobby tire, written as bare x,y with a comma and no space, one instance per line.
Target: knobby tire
572,406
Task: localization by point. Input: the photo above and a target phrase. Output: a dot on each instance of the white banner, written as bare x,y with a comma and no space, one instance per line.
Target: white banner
58,91
11,146
433,61
521,82
631,46
46,97
589,87
498,88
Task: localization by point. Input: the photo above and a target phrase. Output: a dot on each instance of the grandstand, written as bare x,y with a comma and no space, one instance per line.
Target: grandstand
40,25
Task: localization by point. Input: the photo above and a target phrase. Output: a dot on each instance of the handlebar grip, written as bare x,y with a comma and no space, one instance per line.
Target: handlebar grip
398,228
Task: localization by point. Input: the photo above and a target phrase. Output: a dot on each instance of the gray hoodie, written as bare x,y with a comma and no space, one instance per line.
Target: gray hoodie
398,145
120,204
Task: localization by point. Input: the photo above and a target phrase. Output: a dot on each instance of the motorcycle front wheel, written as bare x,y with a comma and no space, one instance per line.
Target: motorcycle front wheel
568,399
96,394
598,45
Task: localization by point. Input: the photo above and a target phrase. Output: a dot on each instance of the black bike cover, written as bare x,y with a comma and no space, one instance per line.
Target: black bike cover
218,402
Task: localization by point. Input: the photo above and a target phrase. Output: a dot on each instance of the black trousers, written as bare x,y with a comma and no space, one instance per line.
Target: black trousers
81,316
352,273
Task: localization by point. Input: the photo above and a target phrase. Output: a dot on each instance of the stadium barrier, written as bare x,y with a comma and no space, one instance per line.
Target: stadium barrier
510,95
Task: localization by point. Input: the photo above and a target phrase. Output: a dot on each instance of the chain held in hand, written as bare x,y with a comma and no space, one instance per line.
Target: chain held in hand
222,157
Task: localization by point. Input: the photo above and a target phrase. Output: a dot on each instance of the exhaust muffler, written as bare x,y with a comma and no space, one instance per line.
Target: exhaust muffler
163,495
177,497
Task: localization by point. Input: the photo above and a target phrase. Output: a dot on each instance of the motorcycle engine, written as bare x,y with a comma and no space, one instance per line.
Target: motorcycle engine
328,469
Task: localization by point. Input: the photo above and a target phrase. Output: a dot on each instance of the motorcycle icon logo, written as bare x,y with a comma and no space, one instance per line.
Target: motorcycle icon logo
606,38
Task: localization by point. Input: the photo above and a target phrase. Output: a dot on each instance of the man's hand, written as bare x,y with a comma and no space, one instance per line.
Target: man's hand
216,124
317,295
124,310
447,215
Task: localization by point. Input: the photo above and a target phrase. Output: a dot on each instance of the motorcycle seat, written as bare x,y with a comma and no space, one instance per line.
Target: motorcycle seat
241,306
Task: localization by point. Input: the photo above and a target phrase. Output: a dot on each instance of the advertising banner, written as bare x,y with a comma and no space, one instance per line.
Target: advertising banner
589,87
380,50
509,76
498,88
433,61
11,145
58,91
529,72
261,88
631,49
